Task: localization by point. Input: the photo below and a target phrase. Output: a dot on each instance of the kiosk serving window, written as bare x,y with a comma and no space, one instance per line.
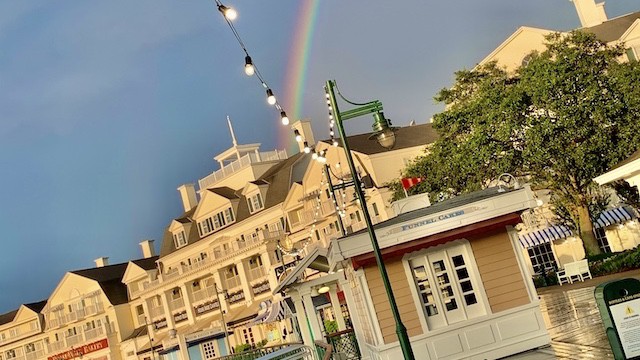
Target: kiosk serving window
446,286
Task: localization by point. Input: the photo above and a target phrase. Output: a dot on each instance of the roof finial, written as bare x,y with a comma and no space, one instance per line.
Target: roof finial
233,136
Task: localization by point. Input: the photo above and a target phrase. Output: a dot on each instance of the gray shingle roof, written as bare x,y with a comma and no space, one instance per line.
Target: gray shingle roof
406,137
8,317
613,29
147,263
110,279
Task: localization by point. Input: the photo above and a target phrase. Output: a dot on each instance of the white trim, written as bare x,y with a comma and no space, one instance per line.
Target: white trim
371,310
623,172
524,269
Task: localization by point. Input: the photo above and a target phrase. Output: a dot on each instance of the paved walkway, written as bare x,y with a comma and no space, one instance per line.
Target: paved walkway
573,321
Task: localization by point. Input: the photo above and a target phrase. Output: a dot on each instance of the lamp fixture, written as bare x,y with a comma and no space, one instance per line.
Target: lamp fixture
283,117
271,99
383,132
249,69
323,289
229,13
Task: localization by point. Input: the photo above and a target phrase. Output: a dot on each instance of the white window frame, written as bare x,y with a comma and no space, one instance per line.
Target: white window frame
464,311
179,238
255,203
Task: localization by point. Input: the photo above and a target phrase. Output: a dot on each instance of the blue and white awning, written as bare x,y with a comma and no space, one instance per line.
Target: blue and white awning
614,216
545,235
273,311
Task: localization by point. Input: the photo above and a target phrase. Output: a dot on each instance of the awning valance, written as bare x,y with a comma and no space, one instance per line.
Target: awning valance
276,311
614,216
545,235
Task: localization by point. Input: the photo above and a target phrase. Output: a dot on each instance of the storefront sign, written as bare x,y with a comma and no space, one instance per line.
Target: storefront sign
80,351
181,316
236,297
160,324
206,307
434,219
261,288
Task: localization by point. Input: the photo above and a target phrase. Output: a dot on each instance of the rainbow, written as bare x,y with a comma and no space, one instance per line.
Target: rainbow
295,78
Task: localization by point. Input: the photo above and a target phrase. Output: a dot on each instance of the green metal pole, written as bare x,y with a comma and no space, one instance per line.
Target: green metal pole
327,173
401,330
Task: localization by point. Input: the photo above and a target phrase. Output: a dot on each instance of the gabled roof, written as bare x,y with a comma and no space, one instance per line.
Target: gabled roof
406,137
110,280
613,29
225,192
36,306
146,264
8,317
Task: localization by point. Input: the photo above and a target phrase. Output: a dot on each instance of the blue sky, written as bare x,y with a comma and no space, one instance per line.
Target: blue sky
108,106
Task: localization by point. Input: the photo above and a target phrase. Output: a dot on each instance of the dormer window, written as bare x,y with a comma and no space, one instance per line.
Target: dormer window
179,239
255,203
215,222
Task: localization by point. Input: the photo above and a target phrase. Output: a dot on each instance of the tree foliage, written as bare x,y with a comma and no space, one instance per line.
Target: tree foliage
567,116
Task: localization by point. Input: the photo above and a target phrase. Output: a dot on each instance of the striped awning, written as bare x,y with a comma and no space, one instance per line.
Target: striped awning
614,216
545,235
276,311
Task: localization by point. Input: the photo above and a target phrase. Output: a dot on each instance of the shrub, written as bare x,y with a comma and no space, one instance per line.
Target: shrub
330,326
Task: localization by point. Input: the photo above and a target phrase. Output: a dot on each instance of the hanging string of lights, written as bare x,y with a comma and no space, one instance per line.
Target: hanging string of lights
229,14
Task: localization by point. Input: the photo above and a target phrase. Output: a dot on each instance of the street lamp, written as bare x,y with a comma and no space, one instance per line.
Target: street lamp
386,138
224,324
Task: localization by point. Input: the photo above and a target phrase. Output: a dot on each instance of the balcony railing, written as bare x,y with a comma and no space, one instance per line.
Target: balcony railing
56,346
204,294
93,333
156,311
233,282
241,163
176,304
257,273
74,340
34,355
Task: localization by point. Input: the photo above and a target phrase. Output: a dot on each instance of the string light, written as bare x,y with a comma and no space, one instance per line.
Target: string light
250,67
296,133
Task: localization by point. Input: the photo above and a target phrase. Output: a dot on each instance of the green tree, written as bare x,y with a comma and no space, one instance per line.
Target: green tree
564,118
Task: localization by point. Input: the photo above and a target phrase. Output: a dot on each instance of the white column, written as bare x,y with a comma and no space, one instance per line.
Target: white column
271,273
188,303
182,345
147,318
355,319
244,279
312,315
307,339
335,303
167,311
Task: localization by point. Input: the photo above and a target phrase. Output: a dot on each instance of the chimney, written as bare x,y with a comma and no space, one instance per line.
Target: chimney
590,13
102,261
306,133
188,195
147,249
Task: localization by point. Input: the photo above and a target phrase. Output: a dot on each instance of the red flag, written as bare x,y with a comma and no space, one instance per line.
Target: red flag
408,183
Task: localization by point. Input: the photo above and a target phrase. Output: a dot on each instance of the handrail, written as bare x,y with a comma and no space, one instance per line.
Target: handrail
328,349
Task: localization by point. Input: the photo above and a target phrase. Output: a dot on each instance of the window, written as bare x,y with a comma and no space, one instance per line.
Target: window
542,257
179,239
255,203
446,287
216,221
374,206
34,325
248,336
603,242
294,217
29,348
139,310
10,354
209,350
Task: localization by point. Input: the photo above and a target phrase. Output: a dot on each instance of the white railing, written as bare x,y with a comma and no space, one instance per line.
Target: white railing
34,355
170,274
241,163
93,333
74,340
257,273
233,282
156,311
176,304
54,323
204,293
94,309
56,346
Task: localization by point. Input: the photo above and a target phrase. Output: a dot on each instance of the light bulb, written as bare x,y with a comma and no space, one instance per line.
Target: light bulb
229,13
271,99
307,149
314,156
249,69
297,135
284,118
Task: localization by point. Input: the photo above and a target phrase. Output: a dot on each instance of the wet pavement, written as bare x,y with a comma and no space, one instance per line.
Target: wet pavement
572,318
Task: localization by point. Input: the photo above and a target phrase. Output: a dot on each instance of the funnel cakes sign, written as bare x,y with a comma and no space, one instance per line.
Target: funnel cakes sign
80,351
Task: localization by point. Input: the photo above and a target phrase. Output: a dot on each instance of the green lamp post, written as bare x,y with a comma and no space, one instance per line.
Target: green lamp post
385,136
